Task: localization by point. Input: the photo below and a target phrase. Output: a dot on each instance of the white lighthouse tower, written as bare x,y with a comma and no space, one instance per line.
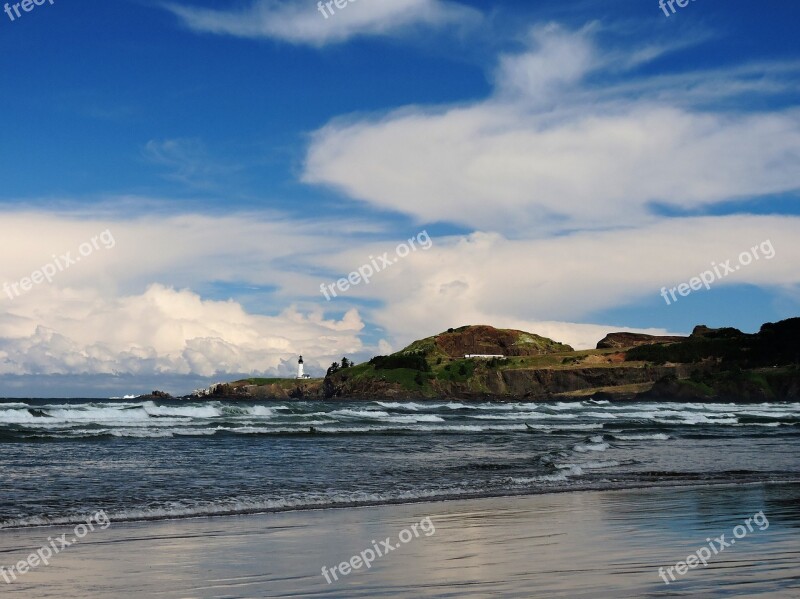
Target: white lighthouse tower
300,374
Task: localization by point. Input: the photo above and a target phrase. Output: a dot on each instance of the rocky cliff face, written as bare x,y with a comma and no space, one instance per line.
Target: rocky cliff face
284,390
628,340
679,382
760,385
519,384
712,364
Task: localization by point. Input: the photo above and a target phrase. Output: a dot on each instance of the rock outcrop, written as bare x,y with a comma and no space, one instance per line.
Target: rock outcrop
711,364
627,340
483,339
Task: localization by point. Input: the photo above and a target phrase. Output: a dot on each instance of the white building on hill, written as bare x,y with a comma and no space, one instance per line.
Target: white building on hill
300,373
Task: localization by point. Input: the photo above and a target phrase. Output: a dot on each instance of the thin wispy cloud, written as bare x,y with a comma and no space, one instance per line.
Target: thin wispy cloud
303,23
553,149
187,161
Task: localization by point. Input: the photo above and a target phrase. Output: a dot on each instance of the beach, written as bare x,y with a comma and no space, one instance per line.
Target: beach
575,544
427,299
210,499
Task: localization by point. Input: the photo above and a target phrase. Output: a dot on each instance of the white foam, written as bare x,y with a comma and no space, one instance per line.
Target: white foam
606,415
310,500
544,478
396,405
702,419
545,416
360,413
571,469
566,427
585,447
766,414
528,407
460,406
415,418
205,411
588,465
13,405
142,434
654,437
503,416
16,416
265,430
469,428
260,411
566,471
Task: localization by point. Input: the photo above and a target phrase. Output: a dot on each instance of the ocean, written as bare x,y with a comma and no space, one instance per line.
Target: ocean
149,460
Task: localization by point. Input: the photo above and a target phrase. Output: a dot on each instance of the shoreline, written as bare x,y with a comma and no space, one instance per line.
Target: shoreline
564,545
589,488
421,400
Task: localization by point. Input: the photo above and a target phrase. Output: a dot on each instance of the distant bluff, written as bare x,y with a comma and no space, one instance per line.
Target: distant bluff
710,365
627,340
484,339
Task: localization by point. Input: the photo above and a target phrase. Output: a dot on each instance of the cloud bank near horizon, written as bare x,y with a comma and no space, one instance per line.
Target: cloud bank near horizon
110,315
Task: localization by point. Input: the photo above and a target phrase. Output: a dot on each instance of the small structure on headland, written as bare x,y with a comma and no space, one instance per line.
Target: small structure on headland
211,390
300,373
484,356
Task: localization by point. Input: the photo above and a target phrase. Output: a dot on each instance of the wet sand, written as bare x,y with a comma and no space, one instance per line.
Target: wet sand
586,544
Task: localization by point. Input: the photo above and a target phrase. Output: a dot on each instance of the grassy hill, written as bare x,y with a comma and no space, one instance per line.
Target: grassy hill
483,339
710,364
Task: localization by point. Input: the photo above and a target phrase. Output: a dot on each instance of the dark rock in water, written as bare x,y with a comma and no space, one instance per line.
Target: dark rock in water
156,395
38,413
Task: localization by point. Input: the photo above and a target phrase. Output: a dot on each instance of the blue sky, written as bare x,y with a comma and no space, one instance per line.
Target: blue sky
567,159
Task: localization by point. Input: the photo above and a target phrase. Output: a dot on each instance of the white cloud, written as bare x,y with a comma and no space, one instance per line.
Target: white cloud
549,286
182,249
552,152
164,331
107,316
302,23
538,76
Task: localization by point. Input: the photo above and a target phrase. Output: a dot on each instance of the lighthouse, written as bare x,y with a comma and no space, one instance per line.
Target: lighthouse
300,368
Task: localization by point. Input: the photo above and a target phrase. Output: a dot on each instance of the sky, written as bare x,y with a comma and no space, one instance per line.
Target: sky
186,186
